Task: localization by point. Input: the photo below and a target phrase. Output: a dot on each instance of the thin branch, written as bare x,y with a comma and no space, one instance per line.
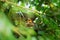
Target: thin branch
33,11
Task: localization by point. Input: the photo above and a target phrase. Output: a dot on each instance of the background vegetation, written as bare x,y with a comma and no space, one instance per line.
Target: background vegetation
29,19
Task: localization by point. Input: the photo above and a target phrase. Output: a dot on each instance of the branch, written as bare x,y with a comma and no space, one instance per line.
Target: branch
33,11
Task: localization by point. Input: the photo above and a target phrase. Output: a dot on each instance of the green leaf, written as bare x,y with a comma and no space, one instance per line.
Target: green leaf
5,28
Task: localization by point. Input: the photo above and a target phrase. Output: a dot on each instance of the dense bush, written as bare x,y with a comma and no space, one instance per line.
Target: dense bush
29,20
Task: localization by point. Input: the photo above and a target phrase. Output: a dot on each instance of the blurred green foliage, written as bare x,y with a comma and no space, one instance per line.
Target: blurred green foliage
29,20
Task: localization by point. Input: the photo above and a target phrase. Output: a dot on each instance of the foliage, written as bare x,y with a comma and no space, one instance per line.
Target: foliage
29,20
